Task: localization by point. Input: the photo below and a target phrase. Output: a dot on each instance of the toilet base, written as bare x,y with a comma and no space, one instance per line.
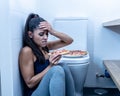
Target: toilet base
79,72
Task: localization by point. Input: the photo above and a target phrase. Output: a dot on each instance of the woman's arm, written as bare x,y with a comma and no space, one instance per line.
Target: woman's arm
26,61
64,39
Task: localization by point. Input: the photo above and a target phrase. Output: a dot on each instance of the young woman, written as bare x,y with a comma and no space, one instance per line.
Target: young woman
41,73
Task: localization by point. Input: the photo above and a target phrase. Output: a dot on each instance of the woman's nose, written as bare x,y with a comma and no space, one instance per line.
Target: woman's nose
45,36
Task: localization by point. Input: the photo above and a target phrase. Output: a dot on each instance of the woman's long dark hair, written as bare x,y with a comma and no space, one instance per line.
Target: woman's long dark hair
32,22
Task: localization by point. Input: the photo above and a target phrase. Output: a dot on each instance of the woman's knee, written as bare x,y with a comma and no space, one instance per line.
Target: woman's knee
58,69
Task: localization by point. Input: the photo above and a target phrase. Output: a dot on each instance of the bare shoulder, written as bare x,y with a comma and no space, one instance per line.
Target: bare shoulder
26,50
25,55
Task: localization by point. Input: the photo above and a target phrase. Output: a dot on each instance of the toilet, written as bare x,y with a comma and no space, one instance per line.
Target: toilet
78,67
76,27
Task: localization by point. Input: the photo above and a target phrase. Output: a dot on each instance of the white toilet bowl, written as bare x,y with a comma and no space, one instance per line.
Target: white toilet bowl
78,67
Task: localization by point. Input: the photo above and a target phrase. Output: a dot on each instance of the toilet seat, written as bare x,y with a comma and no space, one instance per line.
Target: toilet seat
80,60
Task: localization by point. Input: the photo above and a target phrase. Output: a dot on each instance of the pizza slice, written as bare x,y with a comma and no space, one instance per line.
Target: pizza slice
61,52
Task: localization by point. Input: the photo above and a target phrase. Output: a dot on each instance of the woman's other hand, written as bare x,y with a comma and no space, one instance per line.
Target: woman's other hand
46,26
54,58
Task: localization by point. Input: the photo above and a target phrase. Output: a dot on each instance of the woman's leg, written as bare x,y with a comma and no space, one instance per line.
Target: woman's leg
70,87
52,84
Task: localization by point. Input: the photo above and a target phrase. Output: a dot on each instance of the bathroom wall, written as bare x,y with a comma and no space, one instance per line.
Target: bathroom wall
12,22
4,46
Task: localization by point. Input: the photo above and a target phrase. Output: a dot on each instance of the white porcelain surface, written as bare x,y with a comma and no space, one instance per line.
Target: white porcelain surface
78,68
80,60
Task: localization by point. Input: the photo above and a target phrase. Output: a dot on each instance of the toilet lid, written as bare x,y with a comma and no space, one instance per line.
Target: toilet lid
83,59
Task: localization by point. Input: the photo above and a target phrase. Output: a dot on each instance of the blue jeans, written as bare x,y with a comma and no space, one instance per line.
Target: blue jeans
58,81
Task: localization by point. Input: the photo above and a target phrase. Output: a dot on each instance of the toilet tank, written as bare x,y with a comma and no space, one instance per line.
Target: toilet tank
76,27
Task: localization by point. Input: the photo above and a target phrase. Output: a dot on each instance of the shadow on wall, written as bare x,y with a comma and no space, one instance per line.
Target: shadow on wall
114,28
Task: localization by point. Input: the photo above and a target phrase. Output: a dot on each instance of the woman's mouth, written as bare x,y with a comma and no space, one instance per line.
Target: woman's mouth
44,42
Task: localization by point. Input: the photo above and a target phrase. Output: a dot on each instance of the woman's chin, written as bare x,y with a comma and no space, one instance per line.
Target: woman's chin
44,45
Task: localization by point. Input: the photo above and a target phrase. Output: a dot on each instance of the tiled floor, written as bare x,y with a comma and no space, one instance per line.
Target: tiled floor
99,92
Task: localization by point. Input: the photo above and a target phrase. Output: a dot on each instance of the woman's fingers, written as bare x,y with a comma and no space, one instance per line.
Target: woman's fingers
54,58
56,63
45,26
